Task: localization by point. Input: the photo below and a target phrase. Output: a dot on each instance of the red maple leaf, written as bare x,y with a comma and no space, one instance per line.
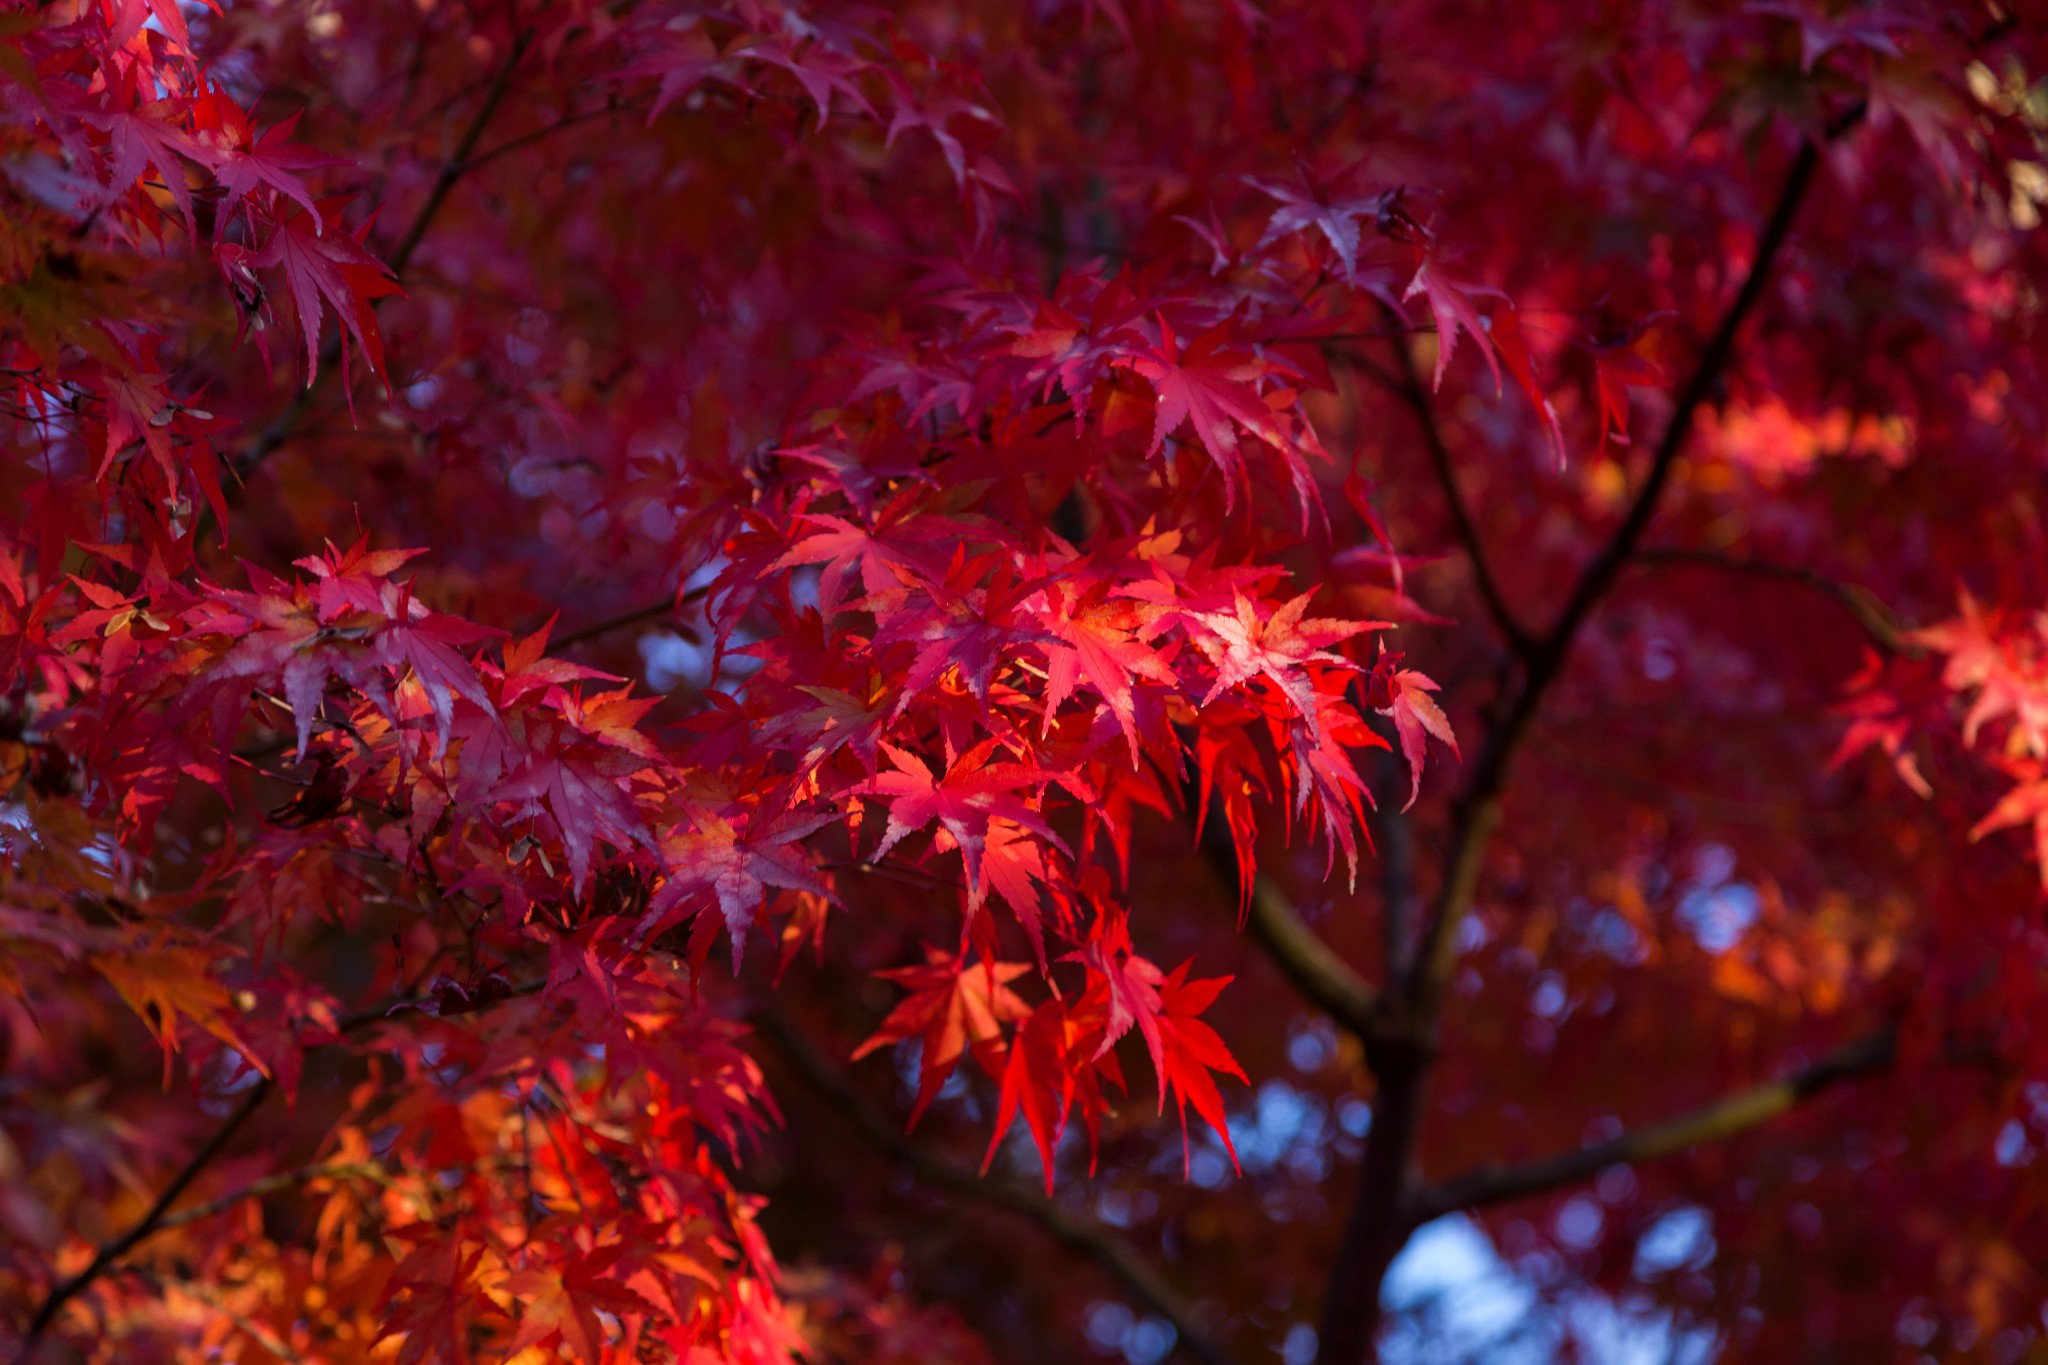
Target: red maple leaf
1277,645
433,1299
818,68
1232,772
1513,348
973,792
1305,208
571,764
322,270
736,859
1206,387
1402,694
1162,1007
1104,644
842,547
2004,662
1054,1068
961,623
559,1304
1323,769
1013,865
954,1005
1615,372
1450,302
242,164
2026,804
144,133
1188,1052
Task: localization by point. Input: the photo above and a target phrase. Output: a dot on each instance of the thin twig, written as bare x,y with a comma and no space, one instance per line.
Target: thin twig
1312,965
566,121
1143,1282
1877,621
269,1184
909,876
1721,1119
457,161
150,1221
1323,978
452,167
1479,809
632,617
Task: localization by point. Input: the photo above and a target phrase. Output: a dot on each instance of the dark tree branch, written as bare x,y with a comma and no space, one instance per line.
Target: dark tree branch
1383,1211
1478,811
1884,629
150,1221
633,616
562,124
1326,980
452,167
1724,1118
458,160
1323,978
1114,1256
1381,1217
653,611
269,1184
159,1215
1397,883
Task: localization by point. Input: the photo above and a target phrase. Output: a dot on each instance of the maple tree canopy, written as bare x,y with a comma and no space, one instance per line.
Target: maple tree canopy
978,681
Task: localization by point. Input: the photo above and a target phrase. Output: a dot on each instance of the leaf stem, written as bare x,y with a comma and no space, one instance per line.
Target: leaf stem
1411,392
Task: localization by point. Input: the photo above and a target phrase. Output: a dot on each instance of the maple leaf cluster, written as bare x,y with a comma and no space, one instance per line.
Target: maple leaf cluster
931,669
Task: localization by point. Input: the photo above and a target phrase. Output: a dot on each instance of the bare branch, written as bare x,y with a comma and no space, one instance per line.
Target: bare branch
268,1185
1478,810
1877,621
1108,1251
458,160
653,611
1724,1118
1325,979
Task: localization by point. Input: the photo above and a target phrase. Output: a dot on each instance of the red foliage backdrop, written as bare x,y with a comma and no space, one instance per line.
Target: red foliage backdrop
963,681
